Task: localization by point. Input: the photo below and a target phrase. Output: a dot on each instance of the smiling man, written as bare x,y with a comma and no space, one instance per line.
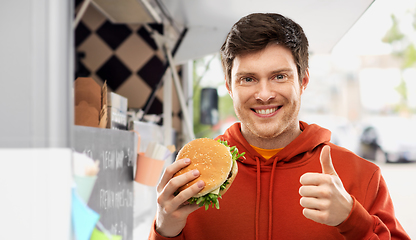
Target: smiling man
293,183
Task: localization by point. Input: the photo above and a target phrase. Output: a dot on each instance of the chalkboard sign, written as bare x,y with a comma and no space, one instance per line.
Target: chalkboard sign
112,196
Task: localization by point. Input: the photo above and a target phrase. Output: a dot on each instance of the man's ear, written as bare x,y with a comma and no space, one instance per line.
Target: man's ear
228,88
305,81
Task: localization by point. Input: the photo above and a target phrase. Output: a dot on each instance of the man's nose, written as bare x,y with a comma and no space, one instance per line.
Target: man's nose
264,91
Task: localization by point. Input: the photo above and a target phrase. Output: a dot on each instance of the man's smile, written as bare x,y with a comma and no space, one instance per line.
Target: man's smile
265,111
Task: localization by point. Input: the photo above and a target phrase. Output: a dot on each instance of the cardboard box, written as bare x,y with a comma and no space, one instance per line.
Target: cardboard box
87,95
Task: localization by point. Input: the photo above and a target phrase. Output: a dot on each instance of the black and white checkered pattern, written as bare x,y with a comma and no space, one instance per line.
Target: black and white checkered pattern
123,54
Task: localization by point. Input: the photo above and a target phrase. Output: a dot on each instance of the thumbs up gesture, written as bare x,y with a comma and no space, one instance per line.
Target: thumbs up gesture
323,196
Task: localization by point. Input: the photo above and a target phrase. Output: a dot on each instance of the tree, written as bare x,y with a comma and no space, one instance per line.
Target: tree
403,47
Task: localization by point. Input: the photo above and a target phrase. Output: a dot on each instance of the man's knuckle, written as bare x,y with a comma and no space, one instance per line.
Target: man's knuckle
168,209
323,217
325,179
181,196
324,205
169,170
174,183
324,193
176,215
159,201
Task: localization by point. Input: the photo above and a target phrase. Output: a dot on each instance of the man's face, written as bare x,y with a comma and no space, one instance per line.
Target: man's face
266,93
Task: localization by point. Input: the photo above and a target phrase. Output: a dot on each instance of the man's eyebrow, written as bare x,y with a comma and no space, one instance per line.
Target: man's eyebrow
280,70
238,74
283,70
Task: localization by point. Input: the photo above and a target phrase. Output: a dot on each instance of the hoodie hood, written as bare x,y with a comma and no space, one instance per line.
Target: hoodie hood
311,137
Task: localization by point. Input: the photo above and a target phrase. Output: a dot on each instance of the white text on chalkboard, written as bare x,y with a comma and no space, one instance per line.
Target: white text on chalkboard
110,199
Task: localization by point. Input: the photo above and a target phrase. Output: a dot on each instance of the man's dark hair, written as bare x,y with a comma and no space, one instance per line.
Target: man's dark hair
256,31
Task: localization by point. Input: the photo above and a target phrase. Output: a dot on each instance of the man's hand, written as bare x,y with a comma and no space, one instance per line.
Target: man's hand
172,211
323,196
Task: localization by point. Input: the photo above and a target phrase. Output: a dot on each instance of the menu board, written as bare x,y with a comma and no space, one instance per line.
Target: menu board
112,195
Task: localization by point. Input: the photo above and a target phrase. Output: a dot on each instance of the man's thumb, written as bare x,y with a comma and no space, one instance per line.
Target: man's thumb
326,161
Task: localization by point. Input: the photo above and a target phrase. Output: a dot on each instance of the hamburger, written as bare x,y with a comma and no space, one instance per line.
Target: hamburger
216,162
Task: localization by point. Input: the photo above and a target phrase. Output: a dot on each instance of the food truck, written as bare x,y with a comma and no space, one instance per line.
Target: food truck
93,84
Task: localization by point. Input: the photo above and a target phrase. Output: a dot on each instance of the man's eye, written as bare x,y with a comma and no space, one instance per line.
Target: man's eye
279,77
248,79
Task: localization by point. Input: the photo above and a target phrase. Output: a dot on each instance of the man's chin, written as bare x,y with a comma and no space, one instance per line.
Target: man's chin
265,133
269,135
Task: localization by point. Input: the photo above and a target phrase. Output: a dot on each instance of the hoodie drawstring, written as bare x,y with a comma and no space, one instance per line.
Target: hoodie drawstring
271,199
258,197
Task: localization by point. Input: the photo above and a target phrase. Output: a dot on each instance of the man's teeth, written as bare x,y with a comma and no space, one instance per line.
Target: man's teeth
266,111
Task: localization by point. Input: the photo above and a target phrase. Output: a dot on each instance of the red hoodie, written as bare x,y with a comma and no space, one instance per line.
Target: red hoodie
263,201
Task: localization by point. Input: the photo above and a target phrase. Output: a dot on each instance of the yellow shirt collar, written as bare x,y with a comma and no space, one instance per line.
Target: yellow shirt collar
266,153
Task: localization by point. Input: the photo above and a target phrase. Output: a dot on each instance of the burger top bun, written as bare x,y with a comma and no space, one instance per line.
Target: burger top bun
211,158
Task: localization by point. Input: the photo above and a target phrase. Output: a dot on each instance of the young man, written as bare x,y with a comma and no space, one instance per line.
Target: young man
293,183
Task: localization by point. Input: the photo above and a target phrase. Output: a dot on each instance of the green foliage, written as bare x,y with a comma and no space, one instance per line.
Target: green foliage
409,56
403,45
402,90
207,200
404,48
393,34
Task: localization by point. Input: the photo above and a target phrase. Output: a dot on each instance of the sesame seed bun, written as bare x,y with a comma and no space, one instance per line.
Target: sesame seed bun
212,159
